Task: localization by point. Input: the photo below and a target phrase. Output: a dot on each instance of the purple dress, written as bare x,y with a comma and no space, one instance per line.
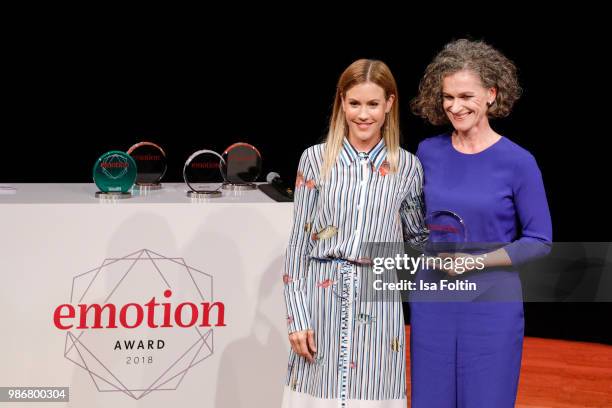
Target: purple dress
468,353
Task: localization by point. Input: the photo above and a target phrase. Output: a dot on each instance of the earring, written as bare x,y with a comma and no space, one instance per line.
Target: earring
490,103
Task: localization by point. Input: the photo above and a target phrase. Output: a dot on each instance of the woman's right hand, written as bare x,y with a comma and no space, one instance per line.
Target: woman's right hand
303,344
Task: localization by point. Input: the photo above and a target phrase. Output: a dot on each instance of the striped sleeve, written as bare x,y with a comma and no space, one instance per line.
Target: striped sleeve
412,209
300,246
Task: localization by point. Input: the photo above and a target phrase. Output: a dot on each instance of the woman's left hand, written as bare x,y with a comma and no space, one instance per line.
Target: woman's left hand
461,263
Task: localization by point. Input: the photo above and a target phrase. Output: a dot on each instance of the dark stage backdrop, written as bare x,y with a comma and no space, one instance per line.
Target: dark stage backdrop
76,93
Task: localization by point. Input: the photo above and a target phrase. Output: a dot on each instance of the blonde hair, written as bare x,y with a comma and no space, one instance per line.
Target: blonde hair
359,72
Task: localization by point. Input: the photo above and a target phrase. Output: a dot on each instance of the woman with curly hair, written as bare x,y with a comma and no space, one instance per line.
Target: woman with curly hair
467,352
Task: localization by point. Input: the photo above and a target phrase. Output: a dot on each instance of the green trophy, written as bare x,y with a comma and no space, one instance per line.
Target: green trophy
114,173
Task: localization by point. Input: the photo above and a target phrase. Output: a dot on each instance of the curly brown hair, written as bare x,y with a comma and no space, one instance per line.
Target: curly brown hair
493,68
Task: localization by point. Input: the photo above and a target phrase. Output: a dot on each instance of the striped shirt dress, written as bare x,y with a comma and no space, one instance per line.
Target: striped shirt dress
360,359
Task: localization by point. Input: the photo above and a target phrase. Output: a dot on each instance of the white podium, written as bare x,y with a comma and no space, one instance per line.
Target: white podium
152,301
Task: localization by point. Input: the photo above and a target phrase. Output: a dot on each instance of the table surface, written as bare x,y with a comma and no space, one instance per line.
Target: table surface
84,193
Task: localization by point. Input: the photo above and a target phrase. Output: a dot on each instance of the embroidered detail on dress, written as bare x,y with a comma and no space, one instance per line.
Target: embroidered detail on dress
395,345
287,279
325,284
293,384
364,318
310,184
412,205
318,359
299,180
384,168
325,233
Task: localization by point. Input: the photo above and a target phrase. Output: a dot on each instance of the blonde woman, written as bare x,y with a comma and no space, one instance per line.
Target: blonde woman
357,187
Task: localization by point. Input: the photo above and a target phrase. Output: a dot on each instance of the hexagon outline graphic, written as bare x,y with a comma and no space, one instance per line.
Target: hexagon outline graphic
170,379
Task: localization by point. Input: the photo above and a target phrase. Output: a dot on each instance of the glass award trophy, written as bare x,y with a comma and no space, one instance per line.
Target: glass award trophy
152,165
114,173
447,232
241,167
202,174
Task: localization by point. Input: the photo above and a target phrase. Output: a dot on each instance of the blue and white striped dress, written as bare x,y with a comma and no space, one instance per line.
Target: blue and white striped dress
360,359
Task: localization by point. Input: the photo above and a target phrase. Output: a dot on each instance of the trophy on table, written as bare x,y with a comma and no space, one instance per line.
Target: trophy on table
241,166
152,165
114,173
202,174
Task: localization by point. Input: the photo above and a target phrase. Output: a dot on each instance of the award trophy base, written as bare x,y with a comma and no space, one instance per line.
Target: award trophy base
203,194
148,187
239,186
112,195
